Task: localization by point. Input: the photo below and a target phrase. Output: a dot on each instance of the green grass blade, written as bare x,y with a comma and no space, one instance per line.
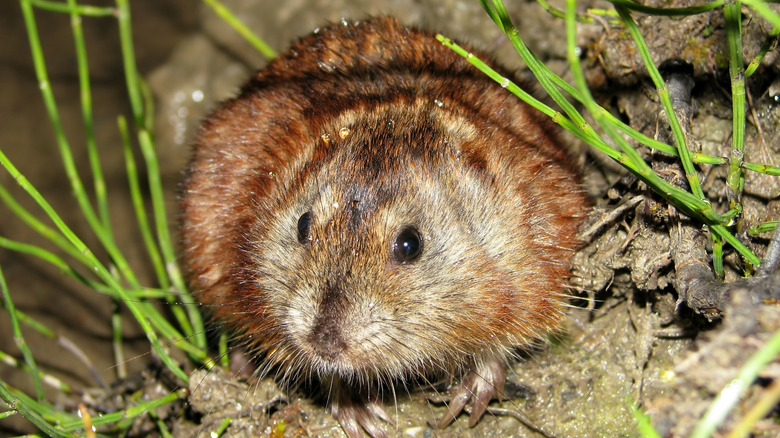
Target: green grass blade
48,379
765,227
764,11
717,255
225,14
50,258
643,422
139,207
731,394
688,203
130,413
691,10
83,10
66,155
30,220
555,12
21,344
663,94
762,168
30,410
627,156
87,116
768,45
94,264
736,175
195,325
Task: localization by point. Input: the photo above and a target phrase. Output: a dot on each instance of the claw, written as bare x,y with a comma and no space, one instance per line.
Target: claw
480,384
460,396
378,410
359,414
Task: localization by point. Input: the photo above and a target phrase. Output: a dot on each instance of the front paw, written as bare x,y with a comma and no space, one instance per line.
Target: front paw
480,384
358,412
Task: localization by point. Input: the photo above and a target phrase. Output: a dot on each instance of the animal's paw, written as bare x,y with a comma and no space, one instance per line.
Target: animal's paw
480,384
356,414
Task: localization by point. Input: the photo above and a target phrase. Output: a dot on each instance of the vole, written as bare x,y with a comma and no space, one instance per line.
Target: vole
371,209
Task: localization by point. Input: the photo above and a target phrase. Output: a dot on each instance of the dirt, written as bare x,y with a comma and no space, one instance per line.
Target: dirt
629,336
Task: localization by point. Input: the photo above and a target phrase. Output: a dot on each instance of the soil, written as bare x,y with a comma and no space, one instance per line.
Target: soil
633,334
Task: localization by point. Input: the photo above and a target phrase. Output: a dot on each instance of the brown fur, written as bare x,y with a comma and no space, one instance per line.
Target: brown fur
373,127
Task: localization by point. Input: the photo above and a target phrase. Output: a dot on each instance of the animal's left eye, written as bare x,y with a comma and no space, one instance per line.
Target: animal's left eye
408,245
304,227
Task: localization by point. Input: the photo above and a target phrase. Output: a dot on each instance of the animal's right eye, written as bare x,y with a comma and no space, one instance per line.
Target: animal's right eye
304,227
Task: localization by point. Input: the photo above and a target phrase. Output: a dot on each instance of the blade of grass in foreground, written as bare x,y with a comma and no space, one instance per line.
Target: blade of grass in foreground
94,264
731,394
30,410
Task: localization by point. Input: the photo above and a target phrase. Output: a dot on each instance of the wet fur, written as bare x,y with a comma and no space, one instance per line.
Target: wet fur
373,127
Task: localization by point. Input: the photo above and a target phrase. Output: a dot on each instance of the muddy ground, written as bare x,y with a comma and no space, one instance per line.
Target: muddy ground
630,337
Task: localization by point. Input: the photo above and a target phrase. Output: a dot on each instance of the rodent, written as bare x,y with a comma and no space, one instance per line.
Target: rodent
370,209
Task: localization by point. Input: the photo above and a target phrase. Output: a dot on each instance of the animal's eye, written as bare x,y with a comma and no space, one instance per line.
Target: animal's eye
304,227
407,246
